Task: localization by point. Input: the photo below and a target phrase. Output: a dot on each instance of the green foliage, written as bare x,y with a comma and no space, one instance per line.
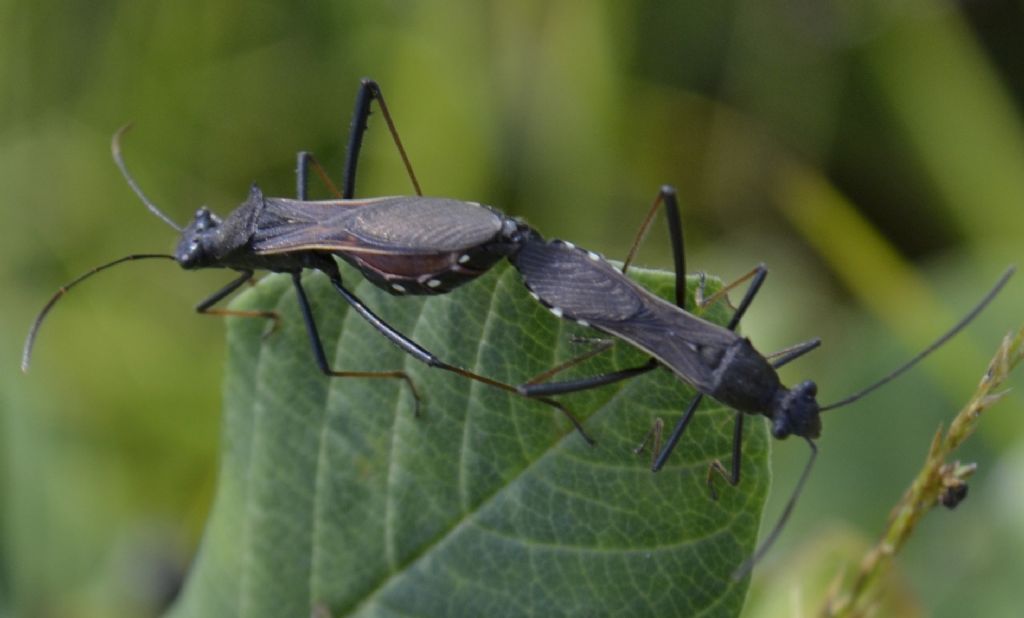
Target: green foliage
332,492
766,116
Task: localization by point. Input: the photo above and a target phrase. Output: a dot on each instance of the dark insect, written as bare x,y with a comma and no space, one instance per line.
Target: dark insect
405,245
953,495
579,285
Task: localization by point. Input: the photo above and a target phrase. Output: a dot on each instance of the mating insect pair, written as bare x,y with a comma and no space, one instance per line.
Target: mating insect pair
418,245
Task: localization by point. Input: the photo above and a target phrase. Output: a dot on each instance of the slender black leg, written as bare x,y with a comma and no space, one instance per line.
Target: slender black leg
356,129
572,386
793,352
321,358
733,478
748,297
421,354
206,306
307,160
368,92
703,301
302,175
666,196
675,233
677,431
213,299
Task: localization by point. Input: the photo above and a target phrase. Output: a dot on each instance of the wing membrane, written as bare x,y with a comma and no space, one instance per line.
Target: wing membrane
581,286
392,225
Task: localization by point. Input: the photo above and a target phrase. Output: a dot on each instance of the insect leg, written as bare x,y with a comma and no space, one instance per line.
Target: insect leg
733,478
703,302
423,355
600,348
675,228
368,92
572,386
760,272
666,196
321,358
305,161
206,306
660,457
653,436
793,352
677,432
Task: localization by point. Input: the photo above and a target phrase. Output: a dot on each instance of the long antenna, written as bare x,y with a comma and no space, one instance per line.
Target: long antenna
749,563
935,345
115,149
26,353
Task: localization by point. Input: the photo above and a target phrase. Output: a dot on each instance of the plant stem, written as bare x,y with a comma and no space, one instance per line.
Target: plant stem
939,481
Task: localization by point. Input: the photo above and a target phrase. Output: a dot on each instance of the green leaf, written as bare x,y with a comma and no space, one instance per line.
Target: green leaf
334,496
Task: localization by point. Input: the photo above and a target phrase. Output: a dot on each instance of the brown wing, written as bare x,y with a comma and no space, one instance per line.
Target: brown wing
387,225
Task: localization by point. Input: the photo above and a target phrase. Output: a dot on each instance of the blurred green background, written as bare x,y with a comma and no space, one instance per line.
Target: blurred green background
871,153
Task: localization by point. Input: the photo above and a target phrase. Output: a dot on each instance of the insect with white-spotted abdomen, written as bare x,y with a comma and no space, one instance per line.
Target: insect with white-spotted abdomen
715,360
404,245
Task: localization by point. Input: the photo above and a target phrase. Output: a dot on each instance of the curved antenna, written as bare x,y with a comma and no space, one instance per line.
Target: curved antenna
742,570
935,345
115,149
26,353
